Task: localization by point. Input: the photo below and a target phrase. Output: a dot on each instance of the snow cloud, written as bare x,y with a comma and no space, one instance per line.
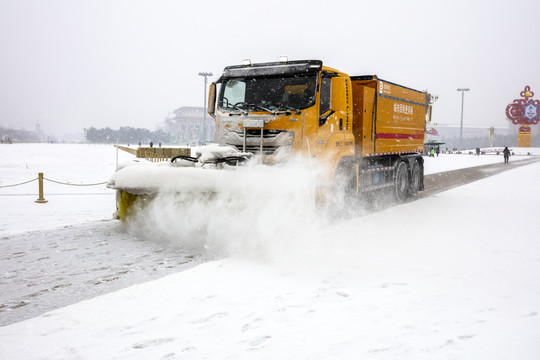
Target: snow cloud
257,211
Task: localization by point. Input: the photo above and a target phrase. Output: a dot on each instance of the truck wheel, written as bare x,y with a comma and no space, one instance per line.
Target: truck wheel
416,179
401,182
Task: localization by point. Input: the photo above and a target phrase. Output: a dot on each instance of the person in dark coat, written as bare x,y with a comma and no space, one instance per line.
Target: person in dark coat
506,154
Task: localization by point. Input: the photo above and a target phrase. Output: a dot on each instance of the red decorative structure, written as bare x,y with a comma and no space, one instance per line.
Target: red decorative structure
524,112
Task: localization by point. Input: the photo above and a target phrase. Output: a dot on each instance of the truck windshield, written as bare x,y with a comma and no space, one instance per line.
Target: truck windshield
268,93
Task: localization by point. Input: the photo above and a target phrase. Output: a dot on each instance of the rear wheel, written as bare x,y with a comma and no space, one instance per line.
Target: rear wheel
416,178
401,182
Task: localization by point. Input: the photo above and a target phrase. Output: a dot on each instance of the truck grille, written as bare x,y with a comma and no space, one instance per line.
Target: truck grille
267,150
273,141
257,133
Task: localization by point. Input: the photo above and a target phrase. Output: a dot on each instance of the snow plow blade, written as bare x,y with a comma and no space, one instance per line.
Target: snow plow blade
139,181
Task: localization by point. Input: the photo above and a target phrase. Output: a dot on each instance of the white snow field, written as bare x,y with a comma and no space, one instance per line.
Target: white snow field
450,276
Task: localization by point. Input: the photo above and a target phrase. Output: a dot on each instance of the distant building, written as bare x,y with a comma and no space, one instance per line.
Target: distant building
187,125
39,131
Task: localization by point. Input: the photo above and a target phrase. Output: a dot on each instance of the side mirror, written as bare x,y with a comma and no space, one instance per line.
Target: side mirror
337,97
212,100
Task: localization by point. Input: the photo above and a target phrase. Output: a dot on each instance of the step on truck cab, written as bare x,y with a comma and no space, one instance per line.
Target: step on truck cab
368,132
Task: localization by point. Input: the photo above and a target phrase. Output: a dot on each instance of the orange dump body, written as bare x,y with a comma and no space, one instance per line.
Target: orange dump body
387,118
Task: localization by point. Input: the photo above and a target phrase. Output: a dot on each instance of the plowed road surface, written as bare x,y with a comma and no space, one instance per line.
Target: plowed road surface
436,183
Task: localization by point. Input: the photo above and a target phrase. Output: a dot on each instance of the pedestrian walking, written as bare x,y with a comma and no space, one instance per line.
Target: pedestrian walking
432,153
506,154
477,151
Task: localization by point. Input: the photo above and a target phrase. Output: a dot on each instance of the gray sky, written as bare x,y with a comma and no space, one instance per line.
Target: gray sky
71,64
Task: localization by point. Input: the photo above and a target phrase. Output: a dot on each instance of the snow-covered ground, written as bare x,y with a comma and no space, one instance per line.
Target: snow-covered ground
67,204
447,162
451,276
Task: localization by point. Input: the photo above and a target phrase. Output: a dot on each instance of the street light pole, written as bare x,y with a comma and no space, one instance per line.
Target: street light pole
461,127
206,75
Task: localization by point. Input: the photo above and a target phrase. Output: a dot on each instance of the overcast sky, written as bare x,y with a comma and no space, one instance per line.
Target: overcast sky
71,64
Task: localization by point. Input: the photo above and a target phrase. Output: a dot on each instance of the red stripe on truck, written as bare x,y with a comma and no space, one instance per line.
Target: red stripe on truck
399,136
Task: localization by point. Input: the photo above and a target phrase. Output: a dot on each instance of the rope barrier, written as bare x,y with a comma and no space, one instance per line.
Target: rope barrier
26,182
63,183
41,199
54,181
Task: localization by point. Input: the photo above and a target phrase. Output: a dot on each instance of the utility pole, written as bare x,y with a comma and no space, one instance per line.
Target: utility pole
206,75
461,128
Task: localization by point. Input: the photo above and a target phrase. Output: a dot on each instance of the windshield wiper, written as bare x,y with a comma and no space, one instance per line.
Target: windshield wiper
280,108
245,105
297,111
261,107
242,111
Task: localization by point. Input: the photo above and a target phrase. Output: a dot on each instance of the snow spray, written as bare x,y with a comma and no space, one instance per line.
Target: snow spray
262,212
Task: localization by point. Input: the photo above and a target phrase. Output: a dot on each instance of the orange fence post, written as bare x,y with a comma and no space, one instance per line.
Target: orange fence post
41,199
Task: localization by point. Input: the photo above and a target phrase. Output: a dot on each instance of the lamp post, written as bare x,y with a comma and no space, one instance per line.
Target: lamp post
461,127
206,75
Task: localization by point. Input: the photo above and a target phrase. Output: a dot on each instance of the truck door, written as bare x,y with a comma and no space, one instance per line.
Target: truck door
334,117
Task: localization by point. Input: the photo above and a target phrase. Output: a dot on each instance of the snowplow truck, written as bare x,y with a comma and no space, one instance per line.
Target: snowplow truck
368,132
